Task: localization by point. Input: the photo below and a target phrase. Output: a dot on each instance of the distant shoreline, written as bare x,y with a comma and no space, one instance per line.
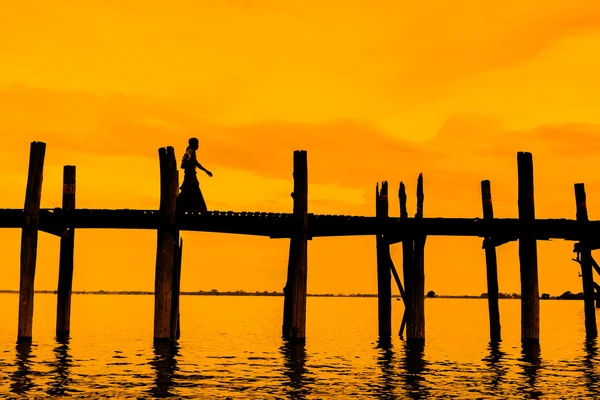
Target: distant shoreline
578,296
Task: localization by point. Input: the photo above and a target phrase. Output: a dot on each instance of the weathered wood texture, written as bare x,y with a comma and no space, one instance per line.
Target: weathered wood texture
166,245
491,265
175,314
294,309
415,319
29,239
407,258
65,269
384,277
587,277
530,299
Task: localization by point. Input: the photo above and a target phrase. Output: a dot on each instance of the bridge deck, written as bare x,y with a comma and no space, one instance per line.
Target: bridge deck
279,225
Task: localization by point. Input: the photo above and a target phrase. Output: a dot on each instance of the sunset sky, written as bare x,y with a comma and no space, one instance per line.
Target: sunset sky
372,90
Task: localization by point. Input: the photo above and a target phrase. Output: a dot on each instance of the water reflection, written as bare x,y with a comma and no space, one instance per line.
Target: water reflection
61,371
164,364
385,362
21,380
531,363
294,357
590,370
415,366
495,362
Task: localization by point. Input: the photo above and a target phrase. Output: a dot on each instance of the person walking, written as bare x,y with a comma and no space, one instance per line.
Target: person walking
190,198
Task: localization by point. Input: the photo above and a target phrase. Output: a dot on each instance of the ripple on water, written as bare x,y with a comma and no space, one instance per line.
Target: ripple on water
230,348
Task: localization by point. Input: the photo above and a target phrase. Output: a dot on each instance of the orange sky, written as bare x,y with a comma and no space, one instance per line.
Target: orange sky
382,92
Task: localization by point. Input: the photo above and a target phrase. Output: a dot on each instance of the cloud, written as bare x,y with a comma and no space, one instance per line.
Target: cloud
343,153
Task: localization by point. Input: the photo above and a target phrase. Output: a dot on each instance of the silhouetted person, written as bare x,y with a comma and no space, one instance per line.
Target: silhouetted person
190,198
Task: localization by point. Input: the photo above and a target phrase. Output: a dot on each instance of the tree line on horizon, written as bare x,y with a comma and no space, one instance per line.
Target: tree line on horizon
214,292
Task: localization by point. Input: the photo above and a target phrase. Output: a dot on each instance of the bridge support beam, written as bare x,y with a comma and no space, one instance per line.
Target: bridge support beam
175,314
415,319
384,277
166,245
530,299
65,269
407,258
29,239
587,277
491,265
294,307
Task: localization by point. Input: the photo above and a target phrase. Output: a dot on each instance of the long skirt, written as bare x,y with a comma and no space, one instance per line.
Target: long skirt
190,198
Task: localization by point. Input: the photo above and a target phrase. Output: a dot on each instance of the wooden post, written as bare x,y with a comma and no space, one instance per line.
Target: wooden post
294,308
176,289
587,276
415,320
166,245
407,257
530,299
384,276
491,265
29,239
65,271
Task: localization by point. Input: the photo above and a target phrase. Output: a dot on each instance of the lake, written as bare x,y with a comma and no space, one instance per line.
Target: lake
230,347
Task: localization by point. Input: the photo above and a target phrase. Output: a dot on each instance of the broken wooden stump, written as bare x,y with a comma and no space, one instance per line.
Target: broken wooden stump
384,278
166,245
294,306
587,277
530,298
65,270
415,319
29,240
407,258
491,264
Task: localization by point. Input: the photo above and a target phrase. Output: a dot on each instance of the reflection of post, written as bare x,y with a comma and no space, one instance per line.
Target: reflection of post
590,370
496,368
384,361
414,365
294,356
531,360
165,366
21,378
61,372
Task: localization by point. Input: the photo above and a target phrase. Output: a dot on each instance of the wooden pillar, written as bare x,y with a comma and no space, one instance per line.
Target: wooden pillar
587,276
416,317
29,239
175,314
530,299
65,270
407,257
166,245
294,308
491,264
384,277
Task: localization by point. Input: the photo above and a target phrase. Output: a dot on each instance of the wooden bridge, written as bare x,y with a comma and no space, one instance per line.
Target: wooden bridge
301,226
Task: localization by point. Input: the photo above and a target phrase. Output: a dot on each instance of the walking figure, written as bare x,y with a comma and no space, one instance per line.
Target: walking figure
190,198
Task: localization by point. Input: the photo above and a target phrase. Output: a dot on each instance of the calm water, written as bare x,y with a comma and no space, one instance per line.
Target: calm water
231,348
